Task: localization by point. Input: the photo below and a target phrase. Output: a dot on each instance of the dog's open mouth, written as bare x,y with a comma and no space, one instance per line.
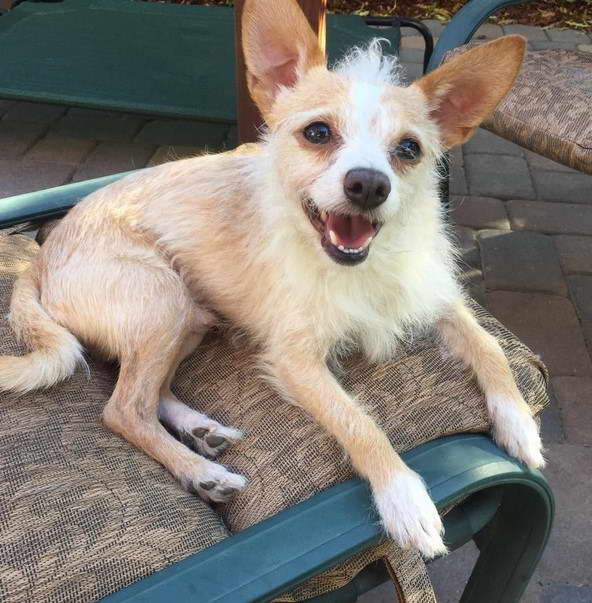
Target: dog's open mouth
345,238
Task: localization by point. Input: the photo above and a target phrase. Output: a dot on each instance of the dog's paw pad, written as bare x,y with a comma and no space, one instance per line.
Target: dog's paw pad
210,441
217,484
213,441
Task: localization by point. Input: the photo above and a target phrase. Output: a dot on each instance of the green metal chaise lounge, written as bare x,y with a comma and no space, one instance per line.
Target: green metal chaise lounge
504,507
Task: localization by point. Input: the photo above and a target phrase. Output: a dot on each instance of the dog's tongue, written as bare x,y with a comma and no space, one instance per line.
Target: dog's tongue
350,231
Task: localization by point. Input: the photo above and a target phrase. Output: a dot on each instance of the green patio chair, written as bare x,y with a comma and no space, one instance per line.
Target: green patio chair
504,507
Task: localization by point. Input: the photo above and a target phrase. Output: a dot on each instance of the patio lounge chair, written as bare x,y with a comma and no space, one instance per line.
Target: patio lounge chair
55,495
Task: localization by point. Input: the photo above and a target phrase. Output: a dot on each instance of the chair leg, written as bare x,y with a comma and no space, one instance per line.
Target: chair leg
511,545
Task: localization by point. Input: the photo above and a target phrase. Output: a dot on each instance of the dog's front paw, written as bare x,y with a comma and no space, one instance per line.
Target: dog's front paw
409,516
213,483
515,430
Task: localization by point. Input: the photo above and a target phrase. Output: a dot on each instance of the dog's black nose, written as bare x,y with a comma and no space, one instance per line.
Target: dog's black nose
366,188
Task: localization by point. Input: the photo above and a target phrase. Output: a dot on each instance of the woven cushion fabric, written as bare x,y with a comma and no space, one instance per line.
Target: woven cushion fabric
549,108
82,513
420,395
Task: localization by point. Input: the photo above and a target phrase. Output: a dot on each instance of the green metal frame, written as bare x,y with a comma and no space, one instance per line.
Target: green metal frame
279,553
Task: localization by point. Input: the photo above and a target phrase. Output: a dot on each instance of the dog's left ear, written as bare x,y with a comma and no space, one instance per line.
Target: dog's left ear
279,47
464,91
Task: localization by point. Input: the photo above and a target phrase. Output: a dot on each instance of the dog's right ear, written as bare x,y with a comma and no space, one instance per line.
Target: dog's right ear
279,47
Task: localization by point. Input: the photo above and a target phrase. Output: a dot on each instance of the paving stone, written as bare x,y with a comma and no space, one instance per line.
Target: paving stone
521,261
119,127
62,149
574,396
489,31
580,287
587,330
471,278
568,35
585,47
112,157
456,157
5,105
92,113
458,180
450,574
548,325
528,31
575,253
499,176
16,137
538,162
465,239
183,133
384,593
569,187
172,153
479,212
566,559
552,218
484,141
35,112
542,45
20,176
552,421
566,593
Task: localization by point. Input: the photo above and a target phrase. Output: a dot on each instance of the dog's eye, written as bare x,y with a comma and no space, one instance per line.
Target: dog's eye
317,133
408,150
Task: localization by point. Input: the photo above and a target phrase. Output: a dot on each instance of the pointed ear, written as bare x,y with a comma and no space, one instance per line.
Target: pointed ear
279,47
464,91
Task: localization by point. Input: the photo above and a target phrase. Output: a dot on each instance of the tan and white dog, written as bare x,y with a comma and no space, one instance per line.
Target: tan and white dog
328,235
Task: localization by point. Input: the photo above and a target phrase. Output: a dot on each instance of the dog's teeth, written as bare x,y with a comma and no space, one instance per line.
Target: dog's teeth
324,217
333,237
341,247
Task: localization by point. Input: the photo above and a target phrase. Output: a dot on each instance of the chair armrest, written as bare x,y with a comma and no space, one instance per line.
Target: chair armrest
50,203
463,25
323,531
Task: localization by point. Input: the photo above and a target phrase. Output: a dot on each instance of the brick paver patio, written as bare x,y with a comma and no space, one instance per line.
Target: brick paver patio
525,226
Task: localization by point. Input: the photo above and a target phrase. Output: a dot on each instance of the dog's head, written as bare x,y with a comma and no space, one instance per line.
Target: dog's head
350,145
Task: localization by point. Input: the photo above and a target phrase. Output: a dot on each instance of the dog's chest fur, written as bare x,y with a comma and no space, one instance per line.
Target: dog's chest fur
243,247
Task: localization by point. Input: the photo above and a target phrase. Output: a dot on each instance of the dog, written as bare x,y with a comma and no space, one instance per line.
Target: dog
327,235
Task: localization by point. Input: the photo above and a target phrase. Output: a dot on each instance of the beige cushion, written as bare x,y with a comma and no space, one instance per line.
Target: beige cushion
82,513
87,514
549,109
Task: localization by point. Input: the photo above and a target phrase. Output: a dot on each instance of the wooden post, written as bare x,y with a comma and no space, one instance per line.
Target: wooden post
248,116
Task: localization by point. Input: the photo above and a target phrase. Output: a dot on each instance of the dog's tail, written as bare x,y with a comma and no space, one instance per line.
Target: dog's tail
56,352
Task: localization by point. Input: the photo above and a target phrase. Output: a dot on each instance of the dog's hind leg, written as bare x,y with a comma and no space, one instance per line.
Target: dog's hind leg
513,425
194,429
132,412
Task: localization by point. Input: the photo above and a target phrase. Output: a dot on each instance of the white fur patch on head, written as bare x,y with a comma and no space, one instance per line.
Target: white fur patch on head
371,65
